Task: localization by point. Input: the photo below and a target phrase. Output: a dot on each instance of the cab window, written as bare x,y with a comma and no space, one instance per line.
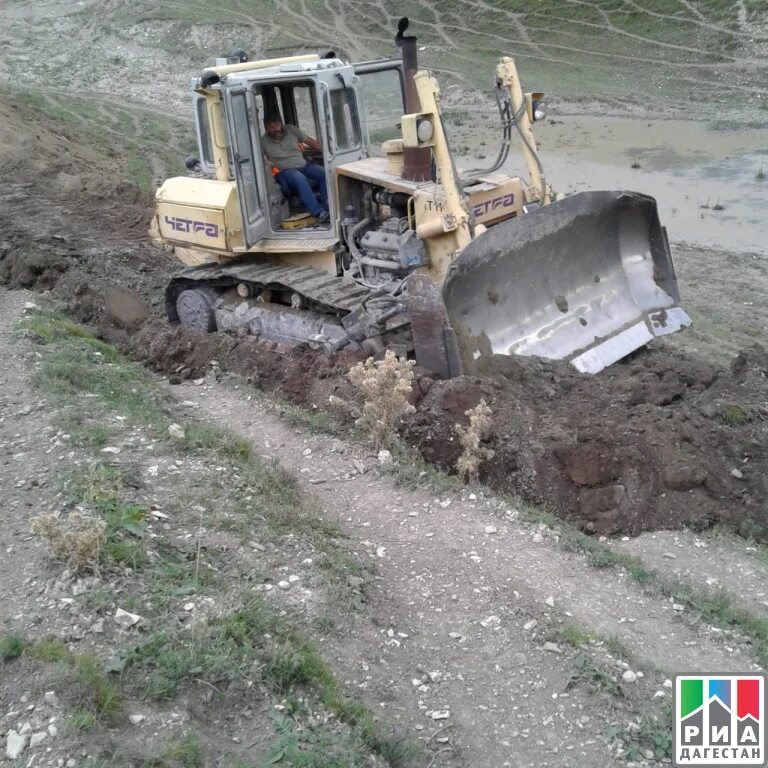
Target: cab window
346,119
383,94
204,132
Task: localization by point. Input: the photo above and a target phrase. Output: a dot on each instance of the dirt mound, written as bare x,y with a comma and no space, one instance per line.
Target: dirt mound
658,441
297,373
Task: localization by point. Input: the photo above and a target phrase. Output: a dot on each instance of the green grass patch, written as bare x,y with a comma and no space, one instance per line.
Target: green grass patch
573,635
315,421
184,753
96,699
205,438
652,732
75,364
50,650
410,470
100,487
734,415
252,642
587,673
11,646
300,744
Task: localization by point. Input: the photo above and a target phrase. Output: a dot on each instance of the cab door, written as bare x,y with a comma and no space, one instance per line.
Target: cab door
246,159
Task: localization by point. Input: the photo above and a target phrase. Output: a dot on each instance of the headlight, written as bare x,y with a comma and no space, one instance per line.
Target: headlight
425,130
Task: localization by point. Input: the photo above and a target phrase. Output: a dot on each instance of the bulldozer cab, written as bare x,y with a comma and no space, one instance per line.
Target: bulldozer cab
323,100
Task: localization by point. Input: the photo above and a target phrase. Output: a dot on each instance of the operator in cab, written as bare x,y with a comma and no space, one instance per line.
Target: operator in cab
281,146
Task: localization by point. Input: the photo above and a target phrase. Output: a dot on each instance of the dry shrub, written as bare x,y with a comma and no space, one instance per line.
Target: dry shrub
470,437
383,387
78,539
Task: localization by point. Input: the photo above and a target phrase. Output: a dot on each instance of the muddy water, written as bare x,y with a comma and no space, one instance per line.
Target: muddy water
689,167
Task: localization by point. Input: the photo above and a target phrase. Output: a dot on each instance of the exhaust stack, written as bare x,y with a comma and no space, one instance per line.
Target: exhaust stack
417,162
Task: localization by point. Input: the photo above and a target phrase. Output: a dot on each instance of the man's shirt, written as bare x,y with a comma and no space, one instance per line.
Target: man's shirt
285,154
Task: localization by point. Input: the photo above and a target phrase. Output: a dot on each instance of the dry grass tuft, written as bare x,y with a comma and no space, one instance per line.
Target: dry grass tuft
471,437
383,387
79,539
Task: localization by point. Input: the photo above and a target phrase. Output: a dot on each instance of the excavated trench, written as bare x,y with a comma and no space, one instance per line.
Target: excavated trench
660,440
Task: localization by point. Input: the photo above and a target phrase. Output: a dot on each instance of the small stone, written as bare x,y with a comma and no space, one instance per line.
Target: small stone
385,457
441,714
669,555
125,619
660,695
176,432
189,607
71,763
53,730
677,607
737,473
472,497
51,698
284,584
30,306
537,538
293,578
27,727
111,449
667,683
629,676
37,738
550,601
529,625
136,719
98,627
552,647
15,744
455,635
445,503
306,452
489,529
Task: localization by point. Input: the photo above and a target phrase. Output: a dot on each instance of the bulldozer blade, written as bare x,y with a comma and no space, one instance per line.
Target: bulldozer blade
586,279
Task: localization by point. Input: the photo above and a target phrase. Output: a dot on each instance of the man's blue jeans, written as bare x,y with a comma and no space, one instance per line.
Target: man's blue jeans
297,180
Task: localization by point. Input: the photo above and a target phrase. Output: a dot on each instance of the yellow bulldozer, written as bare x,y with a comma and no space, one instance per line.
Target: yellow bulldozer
446,266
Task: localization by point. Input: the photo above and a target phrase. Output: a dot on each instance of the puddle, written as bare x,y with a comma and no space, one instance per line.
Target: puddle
689,168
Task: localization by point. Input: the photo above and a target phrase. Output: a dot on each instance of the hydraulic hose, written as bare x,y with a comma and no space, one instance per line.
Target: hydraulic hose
506,140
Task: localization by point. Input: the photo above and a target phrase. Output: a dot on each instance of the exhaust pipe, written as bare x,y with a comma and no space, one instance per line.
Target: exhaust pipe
417,162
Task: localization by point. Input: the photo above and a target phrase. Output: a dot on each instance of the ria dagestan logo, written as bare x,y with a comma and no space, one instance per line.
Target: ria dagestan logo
719,720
